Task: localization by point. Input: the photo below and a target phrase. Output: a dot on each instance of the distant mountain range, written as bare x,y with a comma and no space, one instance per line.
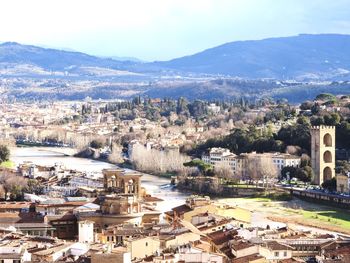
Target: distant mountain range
325,56
302,56
295,68
13,54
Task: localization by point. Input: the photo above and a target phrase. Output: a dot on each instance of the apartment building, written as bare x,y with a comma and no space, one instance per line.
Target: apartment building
222,156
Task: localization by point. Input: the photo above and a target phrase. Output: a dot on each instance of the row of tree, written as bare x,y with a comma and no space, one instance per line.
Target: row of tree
157,161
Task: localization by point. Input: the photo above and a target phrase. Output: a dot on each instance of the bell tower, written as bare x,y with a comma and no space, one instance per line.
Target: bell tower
323,153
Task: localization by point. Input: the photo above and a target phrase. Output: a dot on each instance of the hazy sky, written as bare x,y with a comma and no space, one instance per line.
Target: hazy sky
163,29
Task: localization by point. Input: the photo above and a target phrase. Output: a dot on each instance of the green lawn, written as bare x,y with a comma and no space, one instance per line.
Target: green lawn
7,164
332,217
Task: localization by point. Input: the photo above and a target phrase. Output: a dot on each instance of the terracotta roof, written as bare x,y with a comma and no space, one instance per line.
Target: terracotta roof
15,205
221,237
61,217
73,204
181,209
247,259
344,250
274,245
152,199
241,244
16,218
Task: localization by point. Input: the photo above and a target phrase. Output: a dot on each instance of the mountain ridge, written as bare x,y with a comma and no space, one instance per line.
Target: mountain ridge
284,57
306,56
53,59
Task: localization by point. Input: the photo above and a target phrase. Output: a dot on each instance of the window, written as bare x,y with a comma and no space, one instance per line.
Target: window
14,261
277,254
146,244
285,253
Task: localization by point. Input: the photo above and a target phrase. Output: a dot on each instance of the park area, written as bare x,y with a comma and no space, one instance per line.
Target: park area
295,213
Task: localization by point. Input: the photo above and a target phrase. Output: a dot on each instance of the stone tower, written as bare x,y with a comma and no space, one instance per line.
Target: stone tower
121,182
323,153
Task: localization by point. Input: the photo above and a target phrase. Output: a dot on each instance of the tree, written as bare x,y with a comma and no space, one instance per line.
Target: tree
4,153
305,160
325,96
96,144
34,186
305,174
268,171
330,185
13,186
342,167
157,161
306,105
343,135
116,154
288,172
332,119
298,135
204,168
224,171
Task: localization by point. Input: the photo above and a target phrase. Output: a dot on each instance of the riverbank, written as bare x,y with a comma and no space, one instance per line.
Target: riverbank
295,213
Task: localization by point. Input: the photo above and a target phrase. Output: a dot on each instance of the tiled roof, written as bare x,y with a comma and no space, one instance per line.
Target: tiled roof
221,237
274,245
241,244
181,209
15,205
247,258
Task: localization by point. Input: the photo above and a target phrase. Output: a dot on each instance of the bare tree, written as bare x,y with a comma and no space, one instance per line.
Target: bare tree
116,154
157,161
224,171
261,169
12,184
252,169
267,170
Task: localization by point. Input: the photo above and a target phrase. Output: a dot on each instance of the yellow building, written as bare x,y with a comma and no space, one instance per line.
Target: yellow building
143,247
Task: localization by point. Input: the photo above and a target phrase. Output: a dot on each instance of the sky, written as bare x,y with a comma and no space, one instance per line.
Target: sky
163,29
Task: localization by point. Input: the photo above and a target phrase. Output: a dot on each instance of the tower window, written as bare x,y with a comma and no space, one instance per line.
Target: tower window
327,140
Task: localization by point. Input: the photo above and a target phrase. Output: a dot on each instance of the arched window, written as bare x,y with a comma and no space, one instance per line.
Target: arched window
327,174
327,157
327,140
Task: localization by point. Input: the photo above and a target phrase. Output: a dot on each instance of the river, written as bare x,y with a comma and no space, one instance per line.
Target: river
156,186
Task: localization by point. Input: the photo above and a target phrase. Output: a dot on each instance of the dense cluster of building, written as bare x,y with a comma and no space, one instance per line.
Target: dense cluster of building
240,163
121,226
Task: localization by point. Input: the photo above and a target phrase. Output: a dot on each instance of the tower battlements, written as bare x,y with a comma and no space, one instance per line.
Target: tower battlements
322,127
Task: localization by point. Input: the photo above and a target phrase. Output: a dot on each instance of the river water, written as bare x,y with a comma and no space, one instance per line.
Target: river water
156,186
